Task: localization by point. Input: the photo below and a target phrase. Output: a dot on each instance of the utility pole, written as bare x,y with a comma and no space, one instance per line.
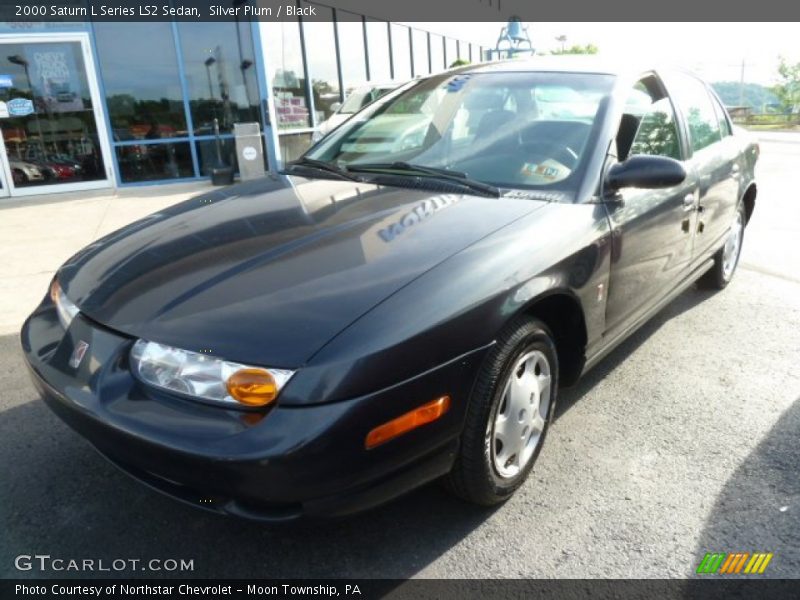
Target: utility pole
741,85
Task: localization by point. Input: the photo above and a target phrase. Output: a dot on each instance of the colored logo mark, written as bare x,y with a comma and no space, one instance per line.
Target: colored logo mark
19,107
735,563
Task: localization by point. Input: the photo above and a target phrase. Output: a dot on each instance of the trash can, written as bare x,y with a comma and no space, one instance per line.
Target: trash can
221,175
249,150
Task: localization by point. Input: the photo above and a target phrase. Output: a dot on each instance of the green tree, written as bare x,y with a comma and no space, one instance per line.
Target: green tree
754,95
788,88
577,49
459,62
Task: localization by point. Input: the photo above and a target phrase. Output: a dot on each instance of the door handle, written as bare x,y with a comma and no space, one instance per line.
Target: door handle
688,202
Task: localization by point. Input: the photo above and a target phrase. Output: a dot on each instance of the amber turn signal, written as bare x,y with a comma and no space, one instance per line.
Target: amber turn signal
252,387
411,420
55,292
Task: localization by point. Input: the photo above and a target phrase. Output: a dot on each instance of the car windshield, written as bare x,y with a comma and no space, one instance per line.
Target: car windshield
506,129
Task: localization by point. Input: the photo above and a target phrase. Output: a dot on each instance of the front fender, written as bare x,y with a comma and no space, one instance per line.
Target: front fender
461,305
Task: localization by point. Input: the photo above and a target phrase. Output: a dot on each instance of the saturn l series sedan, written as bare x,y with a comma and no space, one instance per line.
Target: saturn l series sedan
403,302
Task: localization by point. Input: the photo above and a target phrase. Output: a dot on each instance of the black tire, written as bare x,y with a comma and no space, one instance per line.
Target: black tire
718,277
474,476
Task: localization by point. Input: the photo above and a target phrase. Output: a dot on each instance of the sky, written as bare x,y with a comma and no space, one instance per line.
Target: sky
714,51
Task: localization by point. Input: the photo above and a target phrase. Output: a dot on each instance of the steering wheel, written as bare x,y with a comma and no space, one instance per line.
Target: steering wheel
566,156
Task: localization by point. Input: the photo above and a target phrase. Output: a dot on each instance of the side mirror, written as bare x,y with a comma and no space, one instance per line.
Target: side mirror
336,106
644,171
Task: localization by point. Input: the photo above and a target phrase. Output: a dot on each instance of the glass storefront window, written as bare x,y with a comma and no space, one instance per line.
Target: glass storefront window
401,53
419,40
147,162
219,66
321,57
48,126
293,145
378,46
281,43
451,47
142,85
437,53
351,51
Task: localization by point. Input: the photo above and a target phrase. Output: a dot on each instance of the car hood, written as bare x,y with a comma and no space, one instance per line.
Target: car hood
267,272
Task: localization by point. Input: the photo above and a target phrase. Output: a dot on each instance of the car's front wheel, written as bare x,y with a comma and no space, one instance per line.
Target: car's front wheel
509,413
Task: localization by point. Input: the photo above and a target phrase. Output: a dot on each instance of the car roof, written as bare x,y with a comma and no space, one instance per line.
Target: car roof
371,85
561,64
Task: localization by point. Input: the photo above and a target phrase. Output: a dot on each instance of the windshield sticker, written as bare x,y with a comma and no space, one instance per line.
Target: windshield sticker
548,171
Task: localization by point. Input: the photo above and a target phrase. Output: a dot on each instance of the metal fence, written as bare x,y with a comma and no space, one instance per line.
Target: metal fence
767,120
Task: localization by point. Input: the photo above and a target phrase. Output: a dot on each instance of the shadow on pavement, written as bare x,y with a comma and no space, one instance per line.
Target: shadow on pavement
684,302
60,498
758,509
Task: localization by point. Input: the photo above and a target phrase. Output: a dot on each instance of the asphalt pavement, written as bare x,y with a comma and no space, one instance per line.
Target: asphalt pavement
683,441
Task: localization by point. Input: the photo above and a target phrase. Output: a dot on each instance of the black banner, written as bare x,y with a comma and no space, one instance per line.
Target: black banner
60,11
366,589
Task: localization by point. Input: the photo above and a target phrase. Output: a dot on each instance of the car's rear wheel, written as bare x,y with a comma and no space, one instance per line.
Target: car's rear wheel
727,258
509,413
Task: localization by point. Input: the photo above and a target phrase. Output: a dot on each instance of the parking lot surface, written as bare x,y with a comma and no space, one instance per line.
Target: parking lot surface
683,441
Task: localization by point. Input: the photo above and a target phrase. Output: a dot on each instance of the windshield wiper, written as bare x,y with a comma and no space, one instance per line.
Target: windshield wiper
403,168
321,165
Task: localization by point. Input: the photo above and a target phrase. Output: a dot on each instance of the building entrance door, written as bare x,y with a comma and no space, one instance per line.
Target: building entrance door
51,118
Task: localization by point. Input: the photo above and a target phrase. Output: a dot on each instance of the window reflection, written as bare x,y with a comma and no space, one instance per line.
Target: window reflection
293,145
143,89
321,56
145,162
220,71
657,134
401,52
351,51
282,47
378,46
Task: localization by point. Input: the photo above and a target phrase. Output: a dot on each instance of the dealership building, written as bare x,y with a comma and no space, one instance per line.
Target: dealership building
114,104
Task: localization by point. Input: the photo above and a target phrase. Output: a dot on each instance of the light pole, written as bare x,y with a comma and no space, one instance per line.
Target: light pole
741,85
208,62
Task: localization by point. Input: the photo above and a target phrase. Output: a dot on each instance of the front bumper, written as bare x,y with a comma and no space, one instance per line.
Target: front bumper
273,466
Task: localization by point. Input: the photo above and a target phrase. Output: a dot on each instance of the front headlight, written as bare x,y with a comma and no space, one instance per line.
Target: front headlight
205,377
64,307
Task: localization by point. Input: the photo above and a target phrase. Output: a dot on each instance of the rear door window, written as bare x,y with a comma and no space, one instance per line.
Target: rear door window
698,109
